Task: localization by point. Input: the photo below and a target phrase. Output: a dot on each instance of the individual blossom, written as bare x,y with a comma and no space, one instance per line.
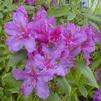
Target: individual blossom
93,37
57,60
97,95
41,15
42,25
34,79
18,31
73,37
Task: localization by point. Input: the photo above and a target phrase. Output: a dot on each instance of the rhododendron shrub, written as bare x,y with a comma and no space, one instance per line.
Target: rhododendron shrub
51,49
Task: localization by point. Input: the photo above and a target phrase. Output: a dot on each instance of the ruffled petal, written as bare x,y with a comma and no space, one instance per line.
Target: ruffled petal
27,87
18,74
22,22
42,89
30,45
60,70
11,29
14,44
22,10
40,15
46,75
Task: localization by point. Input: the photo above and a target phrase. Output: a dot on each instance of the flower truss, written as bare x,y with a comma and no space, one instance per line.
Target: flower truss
51,49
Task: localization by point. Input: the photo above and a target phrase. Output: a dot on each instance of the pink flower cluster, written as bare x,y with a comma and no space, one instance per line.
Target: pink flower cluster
51,49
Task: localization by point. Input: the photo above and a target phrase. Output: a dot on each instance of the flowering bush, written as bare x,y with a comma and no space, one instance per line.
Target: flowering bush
53,51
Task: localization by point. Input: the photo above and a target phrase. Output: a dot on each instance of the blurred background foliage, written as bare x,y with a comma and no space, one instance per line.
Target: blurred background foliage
80,83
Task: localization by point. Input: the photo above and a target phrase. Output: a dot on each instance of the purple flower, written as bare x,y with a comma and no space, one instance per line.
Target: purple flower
19,34
51,50
57,64
88,46
42,26
56,34
41,15
93,33
73,39
49,64
33,79
97,95
35,59
31,2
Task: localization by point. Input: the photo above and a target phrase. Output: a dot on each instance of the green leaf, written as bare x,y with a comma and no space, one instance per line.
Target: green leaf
71,16
58,12
1,92
83,91
5,98
1,15
88,74
74,97
0,29
11,84
16,58
92,17
28,7
90,3
54,97
96,64
94,5
22,98
57,98
64,85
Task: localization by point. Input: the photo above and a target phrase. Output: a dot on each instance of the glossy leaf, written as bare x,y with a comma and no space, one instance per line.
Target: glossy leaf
16,58
11,84
88,74
64,85
83,91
